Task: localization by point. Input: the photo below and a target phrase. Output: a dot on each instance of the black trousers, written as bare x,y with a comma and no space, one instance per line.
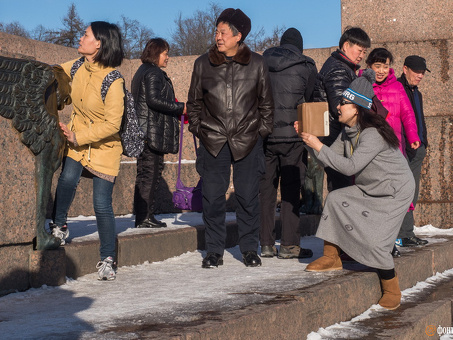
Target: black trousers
335,180
149,172
216,172
415,164
284,165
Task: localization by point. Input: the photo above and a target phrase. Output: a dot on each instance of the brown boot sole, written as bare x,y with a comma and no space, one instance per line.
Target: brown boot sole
324,270
390,308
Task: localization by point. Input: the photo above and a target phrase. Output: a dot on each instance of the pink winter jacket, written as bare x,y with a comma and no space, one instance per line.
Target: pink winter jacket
392,95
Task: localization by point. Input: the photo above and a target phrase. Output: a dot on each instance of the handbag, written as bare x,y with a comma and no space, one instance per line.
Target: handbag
187,198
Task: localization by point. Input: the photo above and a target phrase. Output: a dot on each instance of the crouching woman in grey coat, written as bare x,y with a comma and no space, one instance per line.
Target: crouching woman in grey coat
364,219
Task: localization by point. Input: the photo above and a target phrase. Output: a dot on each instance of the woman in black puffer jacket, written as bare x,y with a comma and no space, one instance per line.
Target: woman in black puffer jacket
157,111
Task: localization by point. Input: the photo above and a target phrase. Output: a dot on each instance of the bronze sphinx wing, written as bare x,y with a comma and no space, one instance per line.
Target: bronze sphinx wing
28,96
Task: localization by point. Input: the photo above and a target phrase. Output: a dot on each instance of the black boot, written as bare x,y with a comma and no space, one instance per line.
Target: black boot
151,222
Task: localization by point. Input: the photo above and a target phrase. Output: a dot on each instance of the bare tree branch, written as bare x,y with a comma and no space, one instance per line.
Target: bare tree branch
14,28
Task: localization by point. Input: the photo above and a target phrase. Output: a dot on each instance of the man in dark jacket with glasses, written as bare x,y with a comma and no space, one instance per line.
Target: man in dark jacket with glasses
230,109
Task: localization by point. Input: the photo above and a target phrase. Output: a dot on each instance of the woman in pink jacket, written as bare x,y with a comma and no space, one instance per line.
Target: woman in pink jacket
393,97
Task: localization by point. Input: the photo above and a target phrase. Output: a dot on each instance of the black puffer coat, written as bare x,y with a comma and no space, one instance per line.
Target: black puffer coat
230,101
156,107
334,77
293,77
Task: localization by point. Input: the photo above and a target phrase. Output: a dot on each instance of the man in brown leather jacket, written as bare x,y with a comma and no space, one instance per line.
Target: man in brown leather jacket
230,110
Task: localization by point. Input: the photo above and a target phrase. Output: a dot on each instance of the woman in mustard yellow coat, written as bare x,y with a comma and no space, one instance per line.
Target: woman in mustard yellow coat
93,143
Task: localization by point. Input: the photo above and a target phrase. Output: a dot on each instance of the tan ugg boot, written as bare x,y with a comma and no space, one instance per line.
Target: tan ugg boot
330,261
391,294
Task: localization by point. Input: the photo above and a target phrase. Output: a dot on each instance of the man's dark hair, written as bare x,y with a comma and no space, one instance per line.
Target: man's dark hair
379,55
111,53
153,49
355,35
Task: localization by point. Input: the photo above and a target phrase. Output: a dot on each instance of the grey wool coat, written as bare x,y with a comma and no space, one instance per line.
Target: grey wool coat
364,219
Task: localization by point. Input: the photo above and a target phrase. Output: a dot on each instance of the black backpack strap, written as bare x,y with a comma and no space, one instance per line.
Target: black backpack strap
76,66
108,80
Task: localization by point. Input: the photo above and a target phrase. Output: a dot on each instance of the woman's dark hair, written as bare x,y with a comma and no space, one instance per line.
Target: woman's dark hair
154,47
379,55
366,119
355,35
111,53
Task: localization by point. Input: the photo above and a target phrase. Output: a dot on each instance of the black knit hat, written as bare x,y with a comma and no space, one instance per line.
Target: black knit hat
361,91
238,19
292,36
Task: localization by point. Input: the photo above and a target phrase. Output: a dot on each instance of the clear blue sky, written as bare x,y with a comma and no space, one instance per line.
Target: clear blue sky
318,20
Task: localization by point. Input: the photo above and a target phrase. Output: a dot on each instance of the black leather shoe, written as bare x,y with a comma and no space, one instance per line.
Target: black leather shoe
395,252
151,222
212,260
408,242
251,258
419,241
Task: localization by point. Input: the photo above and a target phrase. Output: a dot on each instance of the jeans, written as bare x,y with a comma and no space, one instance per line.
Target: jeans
102,203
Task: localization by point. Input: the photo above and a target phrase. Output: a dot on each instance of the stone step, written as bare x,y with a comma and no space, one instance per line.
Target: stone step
287,314
295,314
425,313
149,245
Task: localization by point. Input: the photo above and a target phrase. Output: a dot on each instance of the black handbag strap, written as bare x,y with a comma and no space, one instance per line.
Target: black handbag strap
181,133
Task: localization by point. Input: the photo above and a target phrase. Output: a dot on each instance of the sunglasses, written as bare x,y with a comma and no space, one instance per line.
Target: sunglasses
345,102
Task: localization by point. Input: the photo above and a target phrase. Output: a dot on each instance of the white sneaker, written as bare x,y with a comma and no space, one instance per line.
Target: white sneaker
60,232
106,269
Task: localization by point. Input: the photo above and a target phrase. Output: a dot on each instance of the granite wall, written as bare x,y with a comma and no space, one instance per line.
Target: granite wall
422,27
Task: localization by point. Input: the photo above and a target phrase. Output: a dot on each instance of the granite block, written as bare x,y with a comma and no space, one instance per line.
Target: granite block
418,258
47,267
155,246
17,188
442,256
388,20
81,258
14,273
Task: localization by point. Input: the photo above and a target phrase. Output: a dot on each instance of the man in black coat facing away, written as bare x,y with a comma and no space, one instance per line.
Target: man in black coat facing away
413,72
230,110
293,77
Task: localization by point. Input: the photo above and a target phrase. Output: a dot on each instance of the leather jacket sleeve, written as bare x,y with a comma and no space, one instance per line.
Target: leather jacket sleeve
155,99
195,100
